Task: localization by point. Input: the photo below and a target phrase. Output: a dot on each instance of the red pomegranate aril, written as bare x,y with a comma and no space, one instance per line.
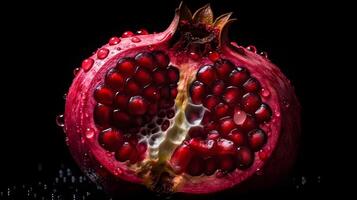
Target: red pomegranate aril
142,32
111,139
103,95
126,66
102,115
213,135
120,118
137,105
121,100
211,126
226,125
173,91
211,166
196,131
170,113
146,60
127,34
196,166
87,64
249,123
142,76
232,95
203,147
206,74
218,88
132,87
152,109
237,137
227,163
151,93
221,110
181,158
164,92
194,56
223,68
250,102
245,157
102,53
114,80
225,146
252,85
198,91
210,102
238,77
263,113
159,76
141,149
239,116
257,139
207,117
173,74
165,125
161,58
213,56
124,152
114,41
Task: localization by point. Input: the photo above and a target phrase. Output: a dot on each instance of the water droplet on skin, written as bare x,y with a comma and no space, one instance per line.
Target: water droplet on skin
252,48
259,172
75,71
89,133
264,54
265,92
135,39
60,120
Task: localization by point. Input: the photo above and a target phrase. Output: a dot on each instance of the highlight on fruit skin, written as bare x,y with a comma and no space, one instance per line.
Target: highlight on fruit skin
181,111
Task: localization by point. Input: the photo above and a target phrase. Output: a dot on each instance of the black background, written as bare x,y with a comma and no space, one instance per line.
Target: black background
49,40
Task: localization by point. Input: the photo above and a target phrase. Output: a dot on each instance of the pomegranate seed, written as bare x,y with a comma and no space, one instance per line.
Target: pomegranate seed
237,137
103,95
120,118
114,41
141,148
142,32
206,118
218,88
249,123
221,110
159,76
165,92
87,64
111,139
206,74
250,102
161,58
213,135
165,125
173,91
211,126
204,147
263,113
170,114
173,74
225,146
127,34
251,85
213,56
196,131
226,125
137,105
102,115
132,87
114,80
211,166
196,166
194,56
146,60
124,152
126,66
210,102
197,91
227,163
223,68
135,39
257,139
180,158
142,76
121,100
232,95
102,53
245,157
151,93
238,77
152,109
239,116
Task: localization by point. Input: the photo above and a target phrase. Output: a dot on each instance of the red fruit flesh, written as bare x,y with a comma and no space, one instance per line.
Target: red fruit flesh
196,111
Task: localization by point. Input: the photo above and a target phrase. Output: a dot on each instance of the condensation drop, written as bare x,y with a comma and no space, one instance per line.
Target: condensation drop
60,120
259,172
265,92
264,54
75,71
252,48
89,133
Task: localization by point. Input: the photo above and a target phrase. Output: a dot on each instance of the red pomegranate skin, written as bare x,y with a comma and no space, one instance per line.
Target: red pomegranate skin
280,133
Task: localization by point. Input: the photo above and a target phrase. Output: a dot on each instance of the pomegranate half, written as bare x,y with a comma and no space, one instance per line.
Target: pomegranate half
184,110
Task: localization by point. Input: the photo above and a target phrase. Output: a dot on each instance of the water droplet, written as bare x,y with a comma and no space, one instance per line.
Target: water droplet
135,39
264,54
277,113
65,96
114,40
75,71
239,117
265,92
60,120
102,53
89,133
118,48
252,48
259,172
87,64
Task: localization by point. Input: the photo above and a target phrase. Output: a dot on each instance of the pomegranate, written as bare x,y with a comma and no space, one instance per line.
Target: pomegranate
181,111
